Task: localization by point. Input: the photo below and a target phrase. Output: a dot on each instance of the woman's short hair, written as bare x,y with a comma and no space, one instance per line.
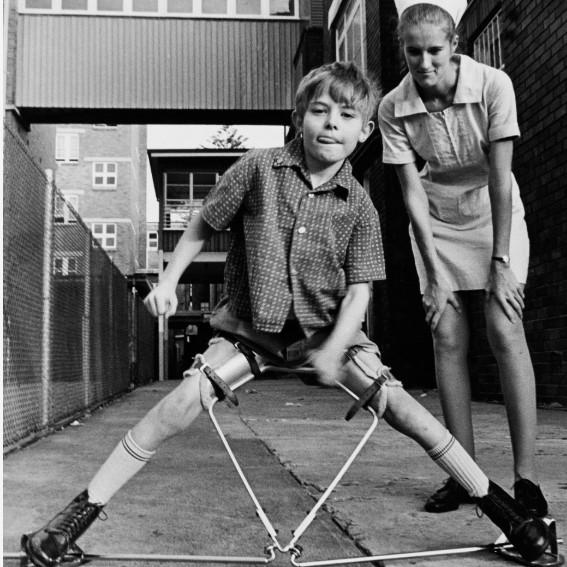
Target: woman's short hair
426,13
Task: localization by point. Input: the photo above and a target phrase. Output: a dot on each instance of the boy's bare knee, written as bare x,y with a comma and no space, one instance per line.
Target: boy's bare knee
179,408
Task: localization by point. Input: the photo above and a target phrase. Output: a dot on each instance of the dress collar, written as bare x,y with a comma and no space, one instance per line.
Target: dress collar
469,89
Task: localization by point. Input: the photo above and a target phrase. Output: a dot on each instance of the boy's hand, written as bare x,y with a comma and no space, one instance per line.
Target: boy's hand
328,366
162,300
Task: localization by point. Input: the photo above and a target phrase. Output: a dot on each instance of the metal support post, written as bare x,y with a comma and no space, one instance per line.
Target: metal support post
46,299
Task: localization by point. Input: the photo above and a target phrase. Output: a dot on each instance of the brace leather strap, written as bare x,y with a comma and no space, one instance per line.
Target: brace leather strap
368,394
221,388
250,357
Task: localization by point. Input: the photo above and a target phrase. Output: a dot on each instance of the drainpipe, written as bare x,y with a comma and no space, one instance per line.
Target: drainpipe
162,331
46,300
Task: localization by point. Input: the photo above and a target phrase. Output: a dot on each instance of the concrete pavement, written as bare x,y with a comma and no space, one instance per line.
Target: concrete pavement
291,440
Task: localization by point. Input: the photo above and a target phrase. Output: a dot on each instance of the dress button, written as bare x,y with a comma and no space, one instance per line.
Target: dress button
301,230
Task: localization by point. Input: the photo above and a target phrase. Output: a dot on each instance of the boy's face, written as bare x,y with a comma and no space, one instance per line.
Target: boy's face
331,130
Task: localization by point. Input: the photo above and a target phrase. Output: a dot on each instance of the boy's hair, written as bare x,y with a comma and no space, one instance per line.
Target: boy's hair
425,13
344,82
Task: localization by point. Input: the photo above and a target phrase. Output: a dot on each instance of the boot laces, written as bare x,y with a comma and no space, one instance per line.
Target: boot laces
73,522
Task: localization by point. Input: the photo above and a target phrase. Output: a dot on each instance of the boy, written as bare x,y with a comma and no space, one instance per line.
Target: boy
297,276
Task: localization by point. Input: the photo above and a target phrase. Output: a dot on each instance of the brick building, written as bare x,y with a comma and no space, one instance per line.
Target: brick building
101,170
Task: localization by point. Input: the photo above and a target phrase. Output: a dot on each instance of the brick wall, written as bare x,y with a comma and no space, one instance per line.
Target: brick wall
534,43
397,324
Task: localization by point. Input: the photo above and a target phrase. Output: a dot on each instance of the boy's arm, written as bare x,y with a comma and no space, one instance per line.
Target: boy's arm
162,300
328,360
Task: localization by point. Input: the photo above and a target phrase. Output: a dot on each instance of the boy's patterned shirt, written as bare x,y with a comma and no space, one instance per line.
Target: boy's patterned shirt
294,249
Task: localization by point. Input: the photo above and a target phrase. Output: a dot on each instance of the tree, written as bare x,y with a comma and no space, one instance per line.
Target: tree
227,137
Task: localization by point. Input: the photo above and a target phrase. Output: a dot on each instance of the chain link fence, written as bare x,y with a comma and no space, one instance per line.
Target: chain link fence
67,310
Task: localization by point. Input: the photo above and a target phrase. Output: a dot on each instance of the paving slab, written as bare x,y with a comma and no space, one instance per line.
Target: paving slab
291,440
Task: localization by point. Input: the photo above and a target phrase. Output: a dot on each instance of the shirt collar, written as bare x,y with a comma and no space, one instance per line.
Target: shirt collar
292,155
469,89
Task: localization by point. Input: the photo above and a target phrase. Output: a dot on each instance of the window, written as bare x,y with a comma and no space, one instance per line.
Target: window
109,5
184,195
282,8
152,240
105,126
38,4
105,233
350,34
214,6
104,174
66,265
63,214
145,5
180,6
74,4
67,147
249,7
486,47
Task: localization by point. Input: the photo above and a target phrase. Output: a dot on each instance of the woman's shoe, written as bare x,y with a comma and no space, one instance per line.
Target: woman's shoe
529,535
530,496
449,497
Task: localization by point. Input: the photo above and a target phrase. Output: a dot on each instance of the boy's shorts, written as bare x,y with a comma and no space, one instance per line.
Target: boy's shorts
291,349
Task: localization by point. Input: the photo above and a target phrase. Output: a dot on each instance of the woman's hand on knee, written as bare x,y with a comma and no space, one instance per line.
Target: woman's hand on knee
435,299
503,287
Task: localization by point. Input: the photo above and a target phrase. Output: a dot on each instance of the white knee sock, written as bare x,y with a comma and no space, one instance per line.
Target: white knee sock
451,456
122,464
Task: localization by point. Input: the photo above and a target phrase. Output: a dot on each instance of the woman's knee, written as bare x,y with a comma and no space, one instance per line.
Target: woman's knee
504,335
449,341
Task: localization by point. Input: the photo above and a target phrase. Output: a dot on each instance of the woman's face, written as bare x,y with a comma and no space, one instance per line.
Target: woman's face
428,53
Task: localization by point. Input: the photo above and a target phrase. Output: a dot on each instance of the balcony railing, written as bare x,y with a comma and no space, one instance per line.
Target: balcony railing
178,213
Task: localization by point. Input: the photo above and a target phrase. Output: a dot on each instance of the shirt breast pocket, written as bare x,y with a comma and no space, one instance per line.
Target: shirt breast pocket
420,140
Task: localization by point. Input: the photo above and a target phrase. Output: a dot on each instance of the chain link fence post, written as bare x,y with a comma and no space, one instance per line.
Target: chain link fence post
86,330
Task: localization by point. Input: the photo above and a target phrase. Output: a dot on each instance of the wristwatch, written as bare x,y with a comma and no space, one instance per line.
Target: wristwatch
504,259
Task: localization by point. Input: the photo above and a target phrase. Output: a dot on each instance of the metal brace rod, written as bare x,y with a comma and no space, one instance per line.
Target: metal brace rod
259,510
554,560
397,556
156,557
290,547
311,516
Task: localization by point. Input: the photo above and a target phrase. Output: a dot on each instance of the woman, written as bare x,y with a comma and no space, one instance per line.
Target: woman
466,224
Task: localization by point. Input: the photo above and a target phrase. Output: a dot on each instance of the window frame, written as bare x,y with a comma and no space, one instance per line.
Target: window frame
70,205
68,151
66,269
105,235
487,45
343,24
105,174
162,10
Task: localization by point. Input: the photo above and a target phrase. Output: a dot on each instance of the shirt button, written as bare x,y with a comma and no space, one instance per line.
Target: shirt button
293,271
301,230
310,195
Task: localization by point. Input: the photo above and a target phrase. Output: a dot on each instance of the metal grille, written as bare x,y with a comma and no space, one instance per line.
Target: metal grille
66,306
486,47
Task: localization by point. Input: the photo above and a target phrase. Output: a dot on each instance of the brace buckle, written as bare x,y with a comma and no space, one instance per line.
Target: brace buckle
221,388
